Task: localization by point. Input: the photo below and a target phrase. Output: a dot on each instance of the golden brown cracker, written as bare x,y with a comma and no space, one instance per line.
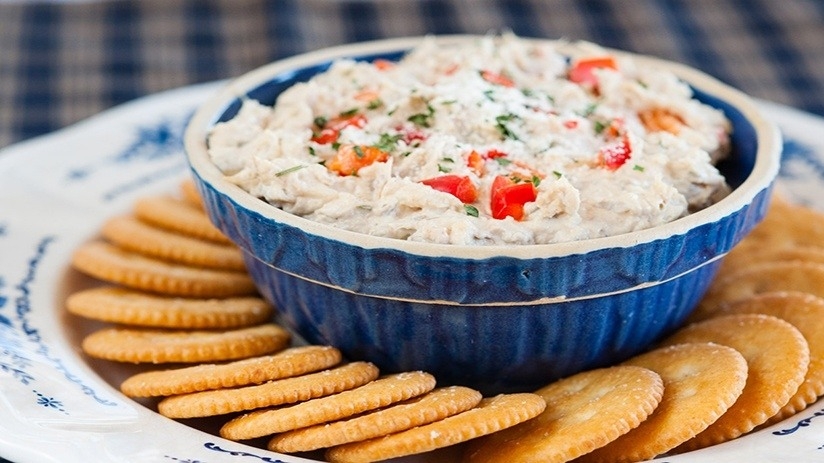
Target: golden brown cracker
777,359
491,415
433,406
701,381
752,252
806,313
188,191
789,224
163,346
109,263
177,215
294,361
277,392
379,393
761,278
584,412
127,232
130,307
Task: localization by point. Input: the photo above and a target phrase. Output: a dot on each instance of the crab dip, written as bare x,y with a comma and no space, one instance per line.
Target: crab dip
494,141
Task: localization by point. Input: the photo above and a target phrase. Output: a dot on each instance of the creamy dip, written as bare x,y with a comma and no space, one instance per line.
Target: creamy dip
500,140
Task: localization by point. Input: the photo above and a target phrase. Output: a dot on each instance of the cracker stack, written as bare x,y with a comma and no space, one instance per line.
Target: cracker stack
176,292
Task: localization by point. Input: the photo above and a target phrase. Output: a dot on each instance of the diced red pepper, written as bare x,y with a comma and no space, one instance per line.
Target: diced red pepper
476,162
494,154
508,198
497,79
581,71
459,186
615,155
349,159
411,135
330,132
383,64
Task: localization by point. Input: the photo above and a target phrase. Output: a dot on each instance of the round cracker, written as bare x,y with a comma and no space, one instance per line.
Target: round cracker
491,415
752,252
188,191
127,232
291,362
761,278
179,216
701,381
777,358
156,346
130,307
378,393
431,407
584,412
110,263
789,224
278,392
806,313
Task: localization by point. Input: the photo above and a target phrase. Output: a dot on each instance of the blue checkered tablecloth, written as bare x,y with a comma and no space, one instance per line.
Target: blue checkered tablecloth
61,62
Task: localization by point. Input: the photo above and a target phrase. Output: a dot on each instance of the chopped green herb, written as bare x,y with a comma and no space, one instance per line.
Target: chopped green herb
349,112
502,161
375,104
312,151
442,168
471,210
321,121
557,174
536,180
423,119
358,151
589,110
501,124
448,102
527,92
388,142
599,126
447,159
638,168
289,171
335,145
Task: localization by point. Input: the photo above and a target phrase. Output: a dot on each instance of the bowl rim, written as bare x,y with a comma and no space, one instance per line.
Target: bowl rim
765,168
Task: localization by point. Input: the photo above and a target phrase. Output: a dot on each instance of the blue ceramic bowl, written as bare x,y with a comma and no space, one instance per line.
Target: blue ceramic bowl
498,318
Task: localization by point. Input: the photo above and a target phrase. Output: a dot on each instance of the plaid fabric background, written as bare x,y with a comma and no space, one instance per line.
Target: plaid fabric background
63,62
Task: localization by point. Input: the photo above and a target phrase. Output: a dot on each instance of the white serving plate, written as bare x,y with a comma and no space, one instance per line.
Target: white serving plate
55,191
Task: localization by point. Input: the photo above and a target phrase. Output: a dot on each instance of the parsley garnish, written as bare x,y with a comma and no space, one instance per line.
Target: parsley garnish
321,121
557,174
388,142
471,210
358,151
501,124
638,168
289,171
589,109
348,113
375,104
423,119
